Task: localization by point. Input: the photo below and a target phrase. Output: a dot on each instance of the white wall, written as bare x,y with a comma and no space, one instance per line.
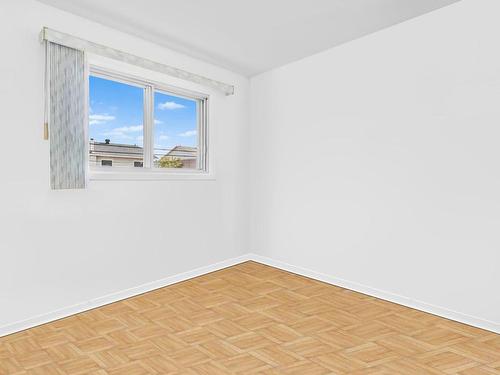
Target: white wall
377,162
59,248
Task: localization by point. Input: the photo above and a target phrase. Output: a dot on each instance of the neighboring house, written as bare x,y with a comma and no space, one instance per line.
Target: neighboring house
187,155
115,154
122,155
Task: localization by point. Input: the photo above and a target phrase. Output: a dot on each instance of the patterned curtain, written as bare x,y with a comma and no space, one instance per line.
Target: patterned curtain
67,116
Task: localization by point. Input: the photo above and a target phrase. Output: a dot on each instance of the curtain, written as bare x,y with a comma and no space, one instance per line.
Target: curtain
66,111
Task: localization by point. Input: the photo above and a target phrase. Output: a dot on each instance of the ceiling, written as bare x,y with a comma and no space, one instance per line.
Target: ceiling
249,37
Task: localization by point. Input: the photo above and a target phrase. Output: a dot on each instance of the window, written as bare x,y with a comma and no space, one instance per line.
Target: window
136,125
175,132
116,115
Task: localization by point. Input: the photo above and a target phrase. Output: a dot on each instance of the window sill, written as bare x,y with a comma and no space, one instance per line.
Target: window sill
147,175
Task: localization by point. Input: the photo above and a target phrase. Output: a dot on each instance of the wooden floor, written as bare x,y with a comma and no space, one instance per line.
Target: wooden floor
251,319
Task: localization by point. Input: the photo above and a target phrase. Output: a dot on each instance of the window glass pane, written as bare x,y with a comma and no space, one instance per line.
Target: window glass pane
115,123
175,132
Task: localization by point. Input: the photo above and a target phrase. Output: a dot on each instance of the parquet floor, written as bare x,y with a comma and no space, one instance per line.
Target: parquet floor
251,319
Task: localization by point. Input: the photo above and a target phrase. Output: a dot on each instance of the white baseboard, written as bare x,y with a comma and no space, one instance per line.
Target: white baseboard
117,296
131,292
388,296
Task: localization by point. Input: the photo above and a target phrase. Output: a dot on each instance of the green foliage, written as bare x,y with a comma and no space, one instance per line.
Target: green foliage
170,162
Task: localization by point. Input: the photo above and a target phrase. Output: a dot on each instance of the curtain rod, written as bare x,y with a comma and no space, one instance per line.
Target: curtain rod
87,46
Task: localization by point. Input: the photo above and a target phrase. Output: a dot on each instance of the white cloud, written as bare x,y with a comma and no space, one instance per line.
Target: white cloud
115,134
170,106
95,119
189,133
129,129
124,132
163,137
158,122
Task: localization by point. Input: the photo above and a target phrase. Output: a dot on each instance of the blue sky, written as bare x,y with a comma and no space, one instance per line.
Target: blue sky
116,113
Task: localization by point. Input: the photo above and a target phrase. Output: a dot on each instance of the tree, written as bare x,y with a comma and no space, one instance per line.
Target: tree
170,162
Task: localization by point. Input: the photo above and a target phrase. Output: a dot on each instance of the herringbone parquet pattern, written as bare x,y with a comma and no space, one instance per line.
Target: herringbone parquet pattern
251,319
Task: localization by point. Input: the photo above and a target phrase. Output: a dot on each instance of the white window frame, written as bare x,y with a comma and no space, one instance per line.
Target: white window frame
148,171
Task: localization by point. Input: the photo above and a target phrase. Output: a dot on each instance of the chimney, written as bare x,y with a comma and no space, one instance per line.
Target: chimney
107,141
